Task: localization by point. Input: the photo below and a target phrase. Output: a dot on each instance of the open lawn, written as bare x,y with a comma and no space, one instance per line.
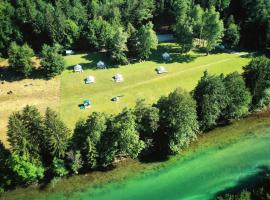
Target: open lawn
38,92
141,81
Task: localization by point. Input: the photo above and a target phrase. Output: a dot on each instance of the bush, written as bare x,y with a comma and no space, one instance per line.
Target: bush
19,58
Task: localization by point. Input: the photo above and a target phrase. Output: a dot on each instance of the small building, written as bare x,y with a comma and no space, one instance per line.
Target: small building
89,79
78,68
101,65
161,70
166,56
118,78
69,52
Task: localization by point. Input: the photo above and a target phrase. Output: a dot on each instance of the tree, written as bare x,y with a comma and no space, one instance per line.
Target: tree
197,15
19,58
120,139
8,30
184,35
25,133
232,33
147,41
57,134
24,171
211,98
51,61
71,33
257,78
6,173
147,118
87,136
239,97
74,161
118,46
178,121
213,29
98,33
58,167
220,5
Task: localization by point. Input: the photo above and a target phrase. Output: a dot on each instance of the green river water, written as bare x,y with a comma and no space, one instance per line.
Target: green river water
199,175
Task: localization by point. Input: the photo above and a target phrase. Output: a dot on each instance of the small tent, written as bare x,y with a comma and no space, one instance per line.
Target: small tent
78,68
101,65
118,78
89,80
161,70
166,56
69,52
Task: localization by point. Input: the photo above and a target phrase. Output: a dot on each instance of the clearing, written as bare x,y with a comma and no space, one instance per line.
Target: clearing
140,79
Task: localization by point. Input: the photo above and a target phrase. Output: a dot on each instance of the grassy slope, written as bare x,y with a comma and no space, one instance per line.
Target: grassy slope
141,81
217,140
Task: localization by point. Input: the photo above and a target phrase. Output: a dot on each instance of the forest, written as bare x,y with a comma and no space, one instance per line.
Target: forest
126,28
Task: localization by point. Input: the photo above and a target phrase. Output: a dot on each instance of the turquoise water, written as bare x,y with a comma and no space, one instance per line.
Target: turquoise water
199,176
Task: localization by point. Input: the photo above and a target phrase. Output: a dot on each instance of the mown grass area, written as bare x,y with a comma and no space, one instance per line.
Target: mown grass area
254,126
141,80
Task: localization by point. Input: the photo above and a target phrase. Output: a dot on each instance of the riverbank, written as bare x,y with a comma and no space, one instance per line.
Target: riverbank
233,140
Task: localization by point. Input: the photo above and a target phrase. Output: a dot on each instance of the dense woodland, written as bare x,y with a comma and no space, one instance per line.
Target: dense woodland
126,28
42,147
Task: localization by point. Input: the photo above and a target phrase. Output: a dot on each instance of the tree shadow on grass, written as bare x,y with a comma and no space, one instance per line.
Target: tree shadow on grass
249,183
174,51
93,58
9,75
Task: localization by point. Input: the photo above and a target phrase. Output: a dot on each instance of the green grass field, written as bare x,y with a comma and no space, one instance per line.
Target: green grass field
141,81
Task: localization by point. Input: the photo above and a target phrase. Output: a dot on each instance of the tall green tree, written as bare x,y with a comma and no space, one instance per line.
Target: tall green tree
257,78
57,134
19,58
213,29
147,41
8,30
120,139
118,46
211,97
239,97
232,33
184,35
52,61
25,133
178,121
147,118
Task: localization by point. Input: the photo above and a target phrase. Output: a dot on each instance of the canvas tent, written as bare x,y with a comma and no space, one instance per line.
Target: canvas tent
118,78
161,70
101,64
78,68
89,79
69,52
166,56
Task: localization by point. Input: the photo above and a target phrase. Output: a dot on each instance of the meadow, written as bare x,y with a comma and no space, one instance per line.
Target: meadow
64,93
140,79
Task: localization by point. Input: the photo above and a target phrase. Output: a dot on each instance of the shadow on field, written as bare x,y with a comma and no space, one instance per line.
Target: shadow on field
255,181
9,75
174,51
94,58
